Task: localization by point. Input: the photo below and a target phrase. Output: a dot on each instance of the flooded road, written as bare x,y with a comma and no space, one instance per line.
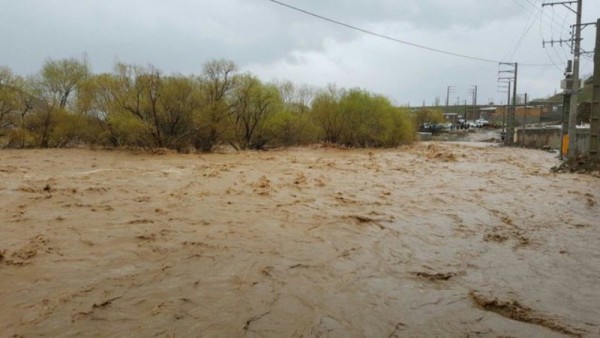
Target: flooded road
433,239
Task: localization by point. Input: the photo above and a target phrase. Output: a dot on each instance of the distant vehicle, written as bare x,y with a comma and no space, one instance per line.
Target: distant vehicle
431,128
482,122
426,127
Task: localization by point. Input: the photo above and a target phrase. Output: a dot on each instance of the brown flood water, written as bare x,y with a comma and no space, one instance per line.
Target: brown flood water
432,240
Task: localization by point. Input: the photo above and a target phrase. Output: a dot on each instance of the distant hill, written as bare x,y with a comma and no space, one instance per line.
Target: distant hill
584,96
585,101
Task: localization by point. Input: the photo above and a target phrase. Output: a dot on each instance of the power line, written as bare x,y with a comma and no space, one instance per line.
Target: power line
362,30
552,18
550,23
549,55
566,56
526,29
562,27
534,5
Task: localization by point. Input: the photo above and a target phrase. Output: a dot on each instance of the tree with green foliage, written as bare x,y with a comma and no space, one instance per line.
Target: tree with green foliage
426,115
327,114
218,80
253,104
357,118
134,90
54,89
60,79
20,103
65,105
99,100
403,130
180,103
293,124
9,99
370,120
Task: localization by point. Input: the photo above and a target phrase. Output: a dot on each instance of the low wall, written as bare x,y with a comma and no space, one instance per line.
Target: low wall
424,136
542,137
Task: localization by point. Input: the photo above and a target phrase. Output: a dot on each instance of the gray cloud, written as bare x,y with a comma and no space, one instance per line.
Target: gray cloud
277,43
425,14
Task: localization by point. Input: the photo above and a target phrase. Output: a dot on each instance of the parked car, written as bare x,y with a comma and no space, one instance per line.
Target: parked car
482,122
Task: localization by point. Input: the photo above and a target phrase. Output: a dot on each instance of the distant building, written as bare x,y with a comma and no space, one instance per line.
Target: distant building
523,114
551,109
487,113
451,117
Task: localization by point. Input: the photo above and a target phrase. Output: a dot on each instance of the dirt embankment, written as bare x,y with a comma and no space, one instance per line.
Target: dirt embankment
436,239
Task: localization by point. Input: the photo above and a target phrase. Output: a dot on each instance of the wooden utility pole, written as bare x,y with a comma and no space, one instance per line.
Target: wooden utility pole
594,147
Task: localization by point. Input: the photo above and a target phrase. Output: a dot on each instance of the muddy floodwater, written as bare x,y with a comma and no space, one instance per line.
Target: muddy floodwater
435,239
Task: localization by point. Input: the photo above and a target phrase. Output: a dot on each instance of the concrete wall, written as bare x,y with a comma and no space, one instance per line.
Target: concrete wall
540,137
422,136
583,141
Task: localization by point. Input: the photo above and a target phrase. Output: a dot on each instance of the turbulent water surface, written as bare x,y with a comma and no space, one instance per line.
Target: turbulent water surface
435,239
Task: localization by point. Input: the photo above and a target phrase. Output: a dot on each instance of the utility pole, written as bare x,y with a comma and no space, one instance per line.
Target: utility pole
448,91
505,114
594,148
574,96
575,86
511,125
567,87
510,128
524,121
505,86
474,93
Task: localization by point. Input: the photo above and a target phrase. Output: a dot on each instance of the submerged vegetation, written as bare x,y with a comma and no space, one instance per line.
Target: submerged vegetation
66,105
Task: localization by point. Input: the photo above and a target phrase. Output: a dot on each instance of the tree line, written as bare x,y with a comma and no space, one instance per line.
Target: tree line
65,104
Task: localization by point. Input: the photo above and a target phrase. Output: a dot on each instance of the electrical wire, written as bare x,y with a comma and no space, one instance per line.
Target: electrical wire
564,22
387,37
561,26
552,19
564,55
526,29
550,58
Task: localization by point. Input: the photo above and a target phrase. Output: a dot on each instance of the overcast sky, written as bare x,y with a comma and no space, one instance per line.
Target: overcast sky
277,43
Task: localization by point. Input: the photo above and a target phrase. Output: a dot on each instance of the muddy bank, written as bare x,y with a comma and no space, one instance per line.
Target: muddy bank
436,239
